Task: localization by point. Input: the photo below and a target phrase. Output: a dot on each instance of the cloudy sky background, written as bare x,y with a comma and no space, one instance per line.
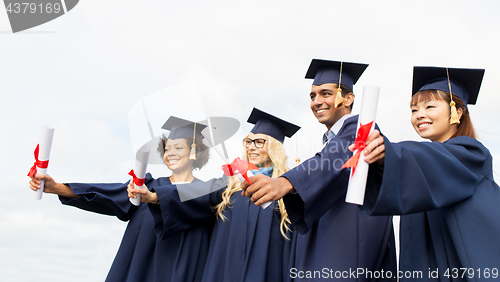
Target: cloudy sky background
83,72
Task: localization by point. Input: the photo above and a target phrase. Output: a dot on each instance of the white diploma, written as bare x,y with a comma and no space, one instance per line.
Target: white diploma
45,144
141,164
357,183
250,174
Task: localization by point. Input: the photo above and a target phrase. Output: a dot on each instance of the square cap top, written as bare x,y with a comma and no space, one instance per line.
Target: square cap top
323,71
465,83
181,128
270,125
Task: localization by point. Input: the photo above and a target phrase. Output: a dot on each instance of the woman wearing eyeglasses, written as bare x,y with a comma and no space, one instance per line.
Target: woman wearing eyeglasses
248,242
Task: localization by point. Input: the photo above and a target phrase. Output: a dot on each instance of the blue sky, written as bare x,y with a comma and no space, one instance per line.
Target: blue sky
84,71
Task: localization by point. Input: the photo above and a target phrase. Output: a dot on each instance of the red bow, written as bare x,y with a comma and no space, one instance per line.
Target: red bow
137,181
239,166
359,145
38,163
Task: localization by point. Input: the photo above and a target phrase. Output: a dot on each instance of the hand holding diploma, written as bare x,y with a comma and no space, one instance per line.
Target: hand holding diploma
138,175
241,169
51,186
141,192
375,148
42,154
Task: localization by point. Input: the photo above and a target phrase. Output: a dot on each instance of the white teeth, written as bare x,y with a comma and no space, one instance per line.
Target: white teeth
423,125
320,111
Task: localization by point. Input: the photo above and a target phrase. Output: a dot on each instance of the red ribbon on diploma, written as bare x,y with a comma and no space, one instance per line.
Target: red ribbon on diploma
359,145
239,166
38,163
137,181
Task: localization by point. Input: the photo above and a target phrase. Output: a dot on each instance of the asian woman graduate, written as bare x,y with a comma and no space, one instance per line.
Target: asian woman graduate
443,189
141,256
248,243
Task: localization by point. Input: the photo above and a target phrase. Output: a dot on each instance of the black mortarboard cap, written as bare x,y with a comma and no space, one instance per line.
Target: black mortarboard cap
465,83
273,126
324,71
181,128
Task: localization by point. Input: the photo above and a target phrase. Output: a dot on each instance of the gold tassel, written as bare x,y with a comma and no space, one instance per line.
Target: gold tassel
297,161
453,110
454,115
339,100
192,154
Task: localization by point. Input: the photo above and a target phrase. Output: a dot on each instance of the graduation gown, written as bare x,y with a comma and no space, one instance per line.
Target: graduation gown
333,237
142,256
247,246
450,207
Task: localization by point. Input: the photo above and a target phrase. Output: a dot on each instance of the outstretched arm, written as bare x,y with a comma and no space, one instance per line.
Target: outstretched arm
265,189
51,186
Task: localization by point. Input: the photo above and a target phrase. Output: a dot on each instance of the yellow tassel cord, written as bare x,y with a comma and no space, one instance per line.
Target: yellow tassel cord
453,110
297,160
192,154
339,100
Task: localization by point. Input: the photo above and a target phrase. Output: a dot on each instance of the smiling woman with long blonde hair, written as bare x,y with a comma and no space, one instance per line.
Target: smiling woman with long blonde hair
249,243
278,159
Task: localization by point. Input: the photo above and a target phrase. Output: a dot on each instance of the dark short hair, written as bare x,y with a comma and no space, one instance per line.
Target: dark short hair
202,150
346,90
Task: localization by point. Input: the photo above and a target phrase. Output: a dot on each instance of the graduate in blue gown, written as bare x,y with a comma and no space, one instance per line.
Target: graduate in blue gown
247,243
443,189
142,256
333,239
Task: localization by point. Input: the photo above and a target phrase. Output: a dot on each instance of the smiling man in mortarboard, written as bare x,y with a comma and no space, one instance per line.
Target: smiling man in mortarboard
334,239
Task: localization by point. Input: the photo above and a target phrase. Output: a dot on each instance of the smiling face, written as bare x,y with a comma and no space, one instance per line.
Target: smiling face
258,156
323,104
177,155
430,118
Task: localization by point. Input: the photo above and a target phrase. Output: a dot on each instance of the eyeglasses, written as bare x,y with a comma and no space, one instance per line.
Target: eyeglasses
259,143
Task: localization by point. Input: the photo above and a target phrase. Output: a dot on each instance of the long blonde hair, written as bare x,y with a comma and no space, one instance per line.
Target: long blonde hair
279,159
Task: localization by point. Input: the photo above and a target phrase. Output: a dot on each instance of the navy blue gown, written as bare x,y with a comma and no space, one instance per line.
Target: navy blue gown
333,238
142,256
450,206
247,246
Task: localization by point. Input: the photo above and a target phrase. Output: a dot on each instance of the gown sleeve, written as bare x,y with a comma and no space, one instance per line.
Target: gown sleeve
104,198
319,181
424,176
172,215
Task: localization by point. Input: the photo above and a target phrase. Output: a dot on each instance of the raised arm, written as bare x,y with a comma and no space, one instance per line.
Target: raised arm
173,215
423,176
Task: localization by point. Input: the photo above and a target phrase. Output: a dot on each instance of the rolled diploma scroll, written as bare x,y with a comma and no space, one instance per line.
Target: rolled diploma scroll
250,174
45,144
208,136
357,183
141,163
